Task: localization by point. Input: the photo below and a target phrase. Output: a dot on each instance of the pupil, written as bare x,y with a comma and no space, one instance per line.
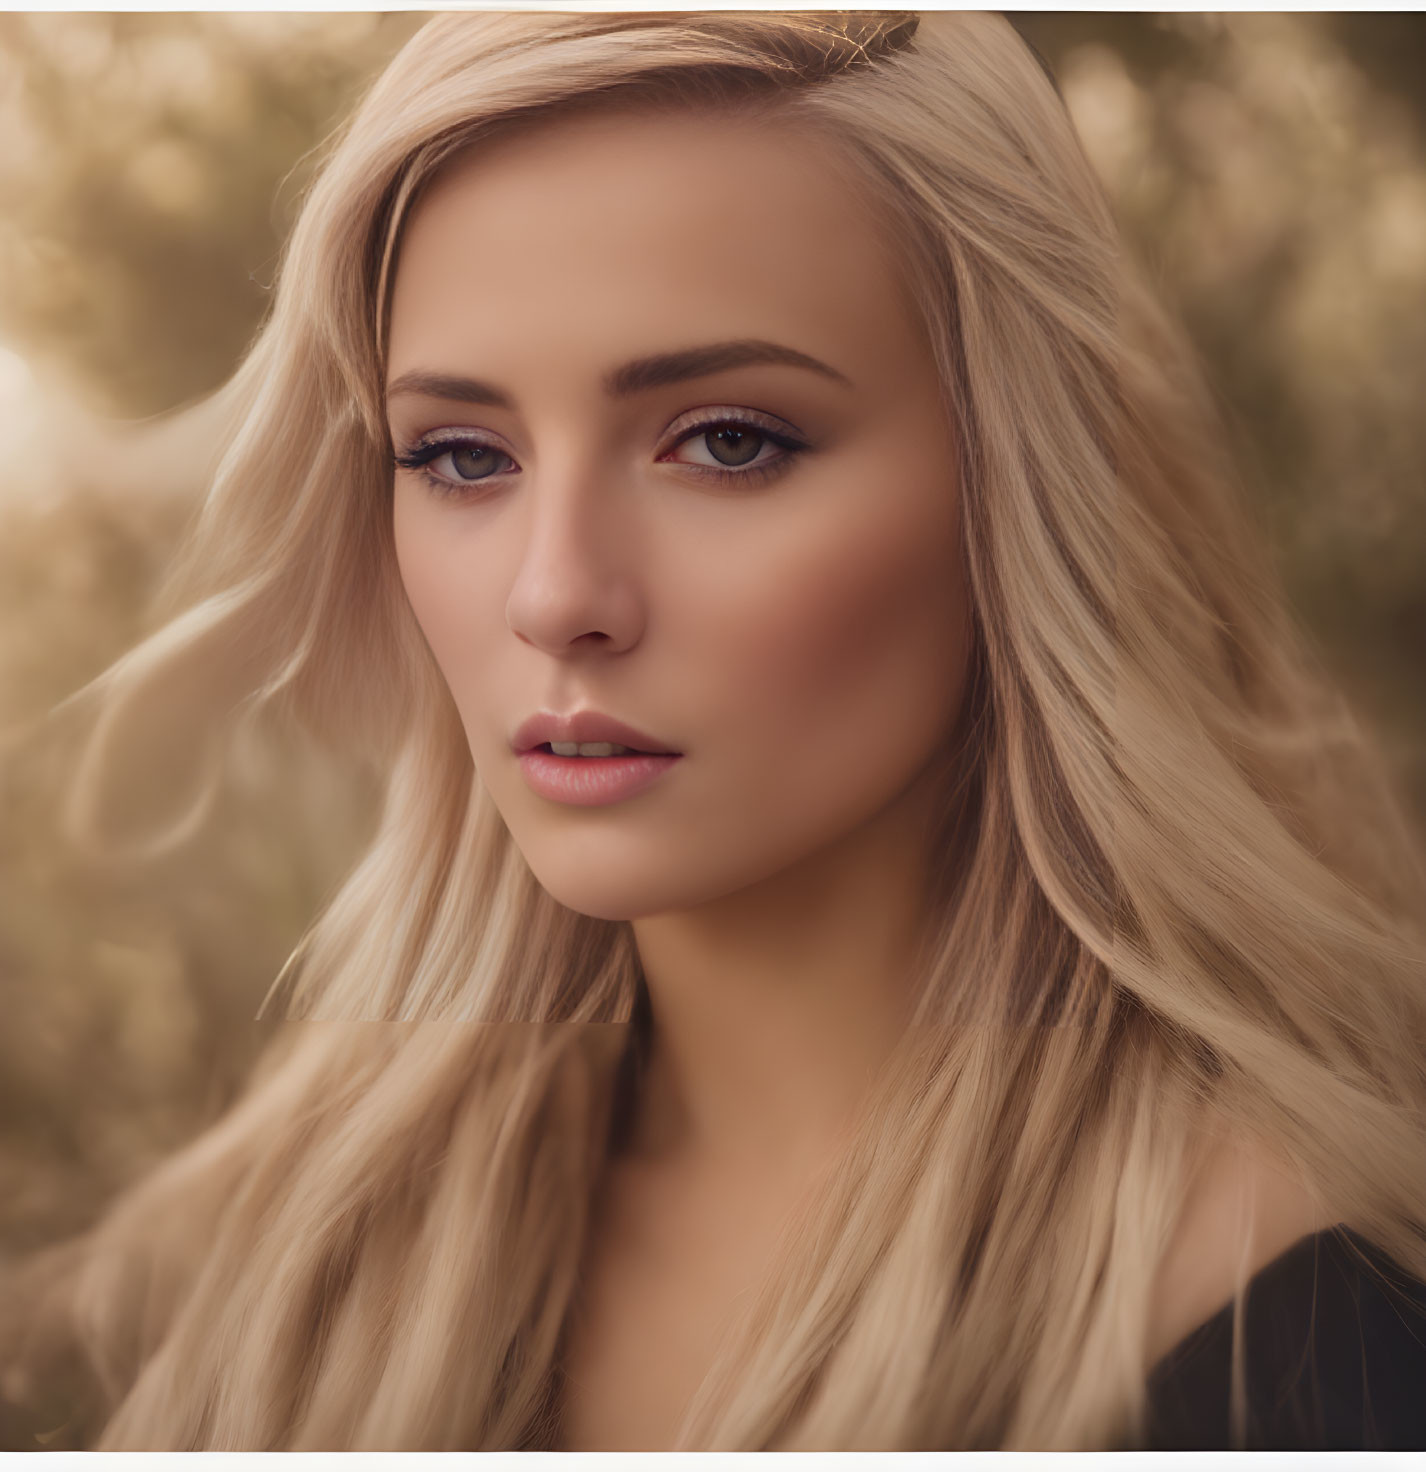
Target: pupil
734,446
471,461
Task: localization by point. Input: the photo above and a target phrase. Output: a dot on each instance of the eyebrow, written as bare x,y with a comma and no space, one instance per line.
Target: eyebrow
631,378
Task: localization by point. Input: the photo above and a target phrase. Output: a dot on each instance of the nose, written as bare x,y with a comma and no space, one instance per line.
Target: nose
574,588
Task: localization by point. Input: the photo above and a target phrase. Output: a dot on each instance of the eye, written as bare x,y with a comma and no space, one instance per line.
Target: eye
731,446
469,462
735,448
451,465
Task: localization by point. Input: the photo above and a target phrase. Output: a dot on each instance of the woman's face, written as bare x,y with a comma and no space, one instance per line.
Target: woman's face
671,448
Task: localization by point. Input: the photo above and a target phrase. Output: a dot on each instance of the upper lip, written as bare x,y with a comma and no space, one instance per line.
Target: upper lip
584,725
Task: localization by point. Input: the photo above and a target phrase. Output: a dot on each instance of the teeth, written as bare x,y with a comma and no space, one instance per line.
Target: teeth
589,748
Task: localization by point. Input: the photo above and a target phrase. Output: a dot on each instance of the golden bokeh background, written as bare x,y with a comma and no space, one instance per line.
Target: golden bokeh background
1270,169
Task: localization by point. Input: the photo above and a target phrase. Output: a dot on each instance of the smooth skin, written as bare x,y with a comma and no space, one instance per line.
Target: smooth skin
802,636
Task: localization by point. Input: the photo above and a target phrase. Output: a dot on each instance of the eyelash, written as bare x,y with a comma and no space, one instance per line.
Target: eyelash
424,451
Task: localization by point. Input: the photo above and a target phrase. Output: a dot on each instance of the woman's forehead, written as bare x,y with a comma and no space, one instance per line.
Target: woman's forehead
713,225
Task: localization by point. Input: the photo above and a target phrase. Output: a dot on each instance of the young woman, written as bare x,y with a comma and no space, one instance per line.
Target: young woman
880,937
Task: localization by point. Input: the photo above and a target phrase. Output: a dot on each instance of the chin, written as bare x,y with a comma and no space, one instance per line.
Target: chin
630,886
610,896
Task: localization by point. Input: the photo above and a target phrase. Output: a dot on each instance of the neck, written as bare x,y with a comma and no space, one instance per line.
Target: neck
774,1008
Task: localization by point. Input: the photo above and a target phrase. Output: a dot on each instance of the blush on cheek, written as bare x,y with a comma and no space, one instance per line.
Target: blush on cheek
867,635
439,584
409,561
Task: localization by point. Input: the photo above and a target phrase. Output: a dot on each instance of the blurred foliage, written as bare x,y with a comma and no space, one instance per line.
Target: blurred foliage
1270,169
153,165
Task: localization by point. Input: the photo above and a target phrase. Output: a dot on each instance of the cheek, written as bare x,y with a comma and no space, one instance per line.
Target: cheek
443,585
854,652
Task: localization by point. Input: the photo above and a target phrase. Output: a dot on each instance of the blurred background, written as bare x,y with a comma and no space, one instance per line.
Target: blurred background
1271,170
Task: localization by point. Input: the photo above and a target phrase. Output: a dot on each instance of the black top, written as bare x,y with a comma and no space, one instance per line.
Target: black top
1334,1359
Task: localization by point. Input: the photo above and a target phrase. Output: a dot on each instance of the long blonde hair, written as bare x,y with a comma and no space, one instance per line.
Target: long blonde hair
1174,880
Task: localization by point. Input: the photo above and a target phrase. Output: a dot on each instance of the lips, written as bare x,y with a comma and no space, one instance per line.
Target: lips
585,725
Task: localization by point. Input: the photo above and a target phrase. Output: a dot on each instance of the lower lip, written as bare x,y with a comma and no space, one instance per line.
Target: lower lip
591,781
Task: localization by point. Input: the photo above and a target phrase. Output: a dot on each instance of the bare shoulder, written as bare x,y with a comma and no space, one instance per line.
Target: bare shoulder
1245,1206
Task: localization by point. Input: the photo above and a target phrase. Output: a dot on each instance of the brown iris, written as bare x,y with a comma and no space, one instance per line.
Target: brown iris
734,446
472,462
